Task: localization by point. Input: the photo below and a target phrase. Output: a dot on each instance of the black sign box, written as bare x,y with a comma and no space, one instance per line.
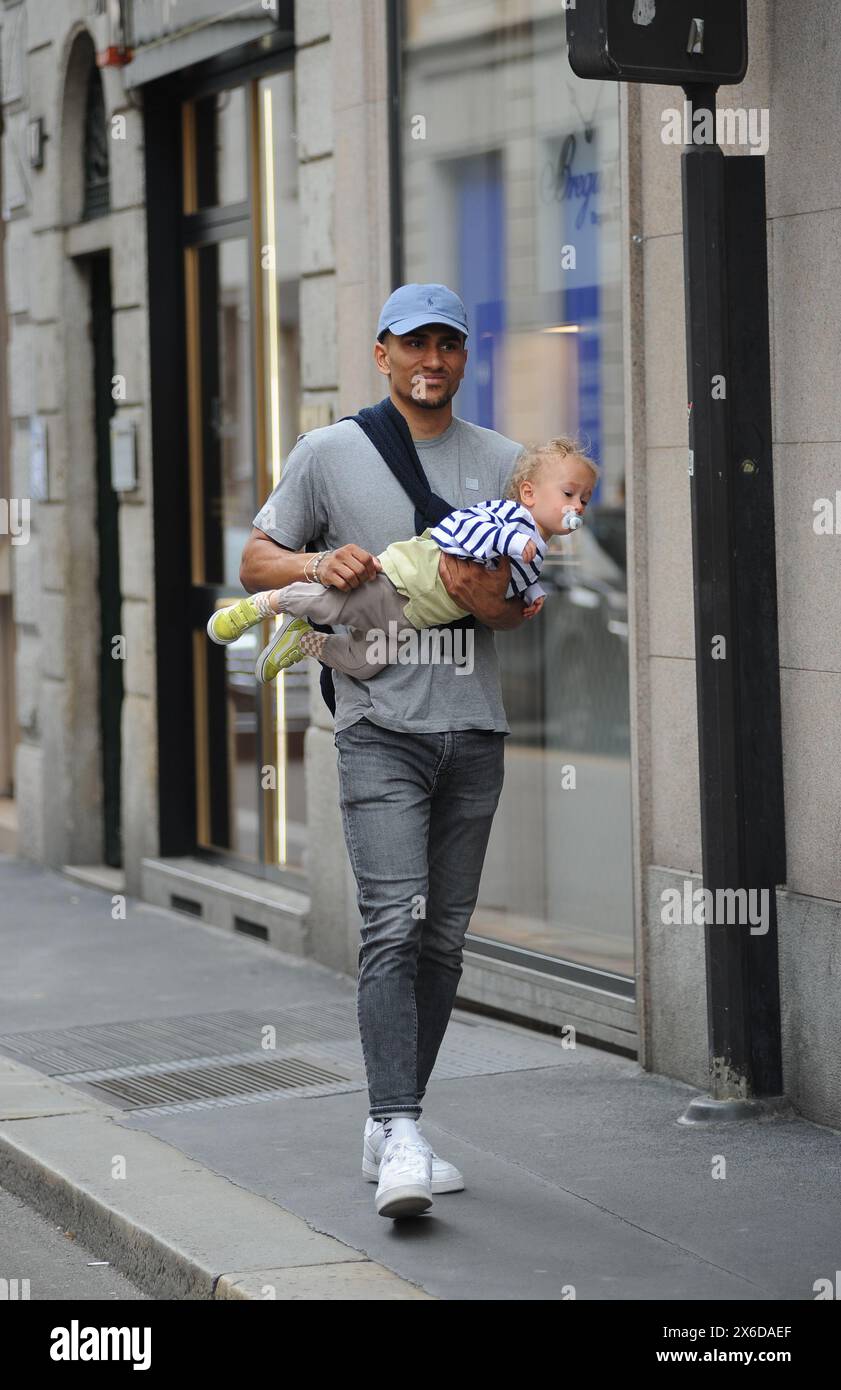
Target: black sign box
675,42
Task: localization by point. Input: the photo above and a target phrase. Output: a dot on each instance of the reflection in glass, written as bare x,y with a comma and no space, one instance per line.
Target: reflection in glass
289,698
512,197
228,441
242,368
280,385
233,746
221,164
280,266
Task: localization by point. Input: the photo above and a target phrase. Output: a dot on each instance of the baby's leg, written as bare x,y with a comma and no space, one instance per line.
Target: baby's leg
344,651
372,604
308,600
357,653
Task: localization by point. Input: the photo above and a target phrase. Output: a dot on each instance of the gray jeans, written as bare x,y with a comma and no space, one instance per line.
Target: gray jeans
373,605
417,811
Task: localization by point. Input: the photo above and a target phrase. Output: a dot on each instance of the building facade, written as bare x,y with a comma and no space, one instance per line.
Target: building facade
204,208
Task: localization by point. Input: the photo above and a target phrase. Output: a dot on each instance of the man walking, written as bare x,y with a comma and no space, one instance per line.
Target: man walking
420,753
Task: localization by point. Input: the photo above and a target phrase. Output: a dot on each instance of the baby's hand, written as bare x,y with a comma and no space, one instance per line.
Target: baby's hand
529,551
534,608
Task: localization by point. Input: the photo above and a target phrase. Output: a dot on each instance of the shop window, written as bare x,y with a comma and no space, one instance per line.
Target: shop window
241,297
510,194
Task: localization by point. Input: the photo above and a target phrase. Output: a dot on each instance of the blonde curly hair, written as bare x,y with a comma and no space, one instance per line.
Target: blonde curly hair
535,456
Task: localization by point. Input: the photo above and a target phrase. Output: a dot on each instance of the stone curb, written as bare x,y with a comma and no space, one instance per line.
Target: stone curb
174,1227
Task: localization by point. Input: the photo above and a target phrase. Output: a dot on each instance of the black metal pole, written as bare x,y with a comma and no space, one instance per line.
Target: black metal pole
735,618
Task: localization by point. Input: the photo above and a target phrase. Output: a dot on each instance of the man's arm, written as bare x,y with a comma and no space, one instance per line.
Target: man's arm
481,591
266,564
296,510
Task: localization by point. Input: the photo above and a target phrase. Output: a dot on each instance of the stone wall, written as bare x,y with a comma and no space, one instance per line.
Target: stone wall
46,56
791,73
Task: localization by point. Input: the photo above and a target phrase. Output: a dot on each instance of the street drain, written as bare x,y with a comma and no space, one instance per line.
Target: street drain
311,1049
178,1085
182,1037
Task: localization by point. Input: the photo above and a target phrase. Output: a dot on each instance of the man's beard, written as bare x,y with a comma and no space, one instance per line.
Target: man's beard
427,404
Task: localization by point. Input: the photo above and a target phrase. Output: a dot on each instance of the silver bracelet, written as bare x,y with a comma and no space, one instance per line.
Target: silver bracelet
319,557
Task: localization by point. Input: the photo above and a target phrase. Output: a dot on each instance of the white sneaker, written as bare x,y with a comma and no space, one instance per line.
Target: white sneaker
445,1176
405,1186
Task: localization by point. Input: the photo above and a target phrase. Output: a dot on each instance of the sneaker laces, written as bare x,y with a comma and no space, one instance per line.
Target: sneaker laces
403,1152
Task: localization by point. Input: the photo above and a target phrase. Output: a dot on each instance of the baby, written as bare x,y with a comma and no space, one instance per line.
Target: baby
546,496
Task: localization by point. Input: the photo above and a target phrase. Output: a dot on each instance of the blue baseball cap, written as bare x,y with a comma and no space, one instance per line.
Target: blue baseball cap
410,306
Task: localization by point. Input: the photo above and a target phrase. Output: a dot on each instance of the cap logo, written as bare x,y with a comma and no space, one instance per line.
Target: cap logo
430,303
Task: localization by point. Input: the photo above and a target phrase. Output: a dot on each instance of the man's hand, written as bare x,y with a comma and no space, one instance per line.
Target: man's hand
529,551
481,591
266,564
348,567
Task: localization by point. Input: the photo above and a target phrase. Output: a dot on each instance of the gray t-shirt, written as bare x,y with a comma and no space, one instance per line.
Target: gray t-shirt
336,489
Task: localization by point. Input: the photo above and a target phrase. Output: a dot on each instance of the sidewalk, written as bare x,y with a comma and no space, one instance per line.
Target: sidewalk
138,1043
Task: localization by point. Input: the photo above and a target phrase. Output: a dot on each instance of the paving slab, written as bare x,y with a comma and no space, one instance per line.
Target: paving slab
580,1180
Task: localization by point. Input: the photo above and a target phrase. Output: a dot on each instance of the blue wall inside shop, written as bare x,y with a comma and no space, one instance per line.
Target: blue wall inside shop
481,280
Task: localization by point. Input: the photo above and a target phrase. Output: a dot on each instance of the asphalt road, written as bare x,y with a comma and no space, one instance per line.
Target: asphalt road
55,1264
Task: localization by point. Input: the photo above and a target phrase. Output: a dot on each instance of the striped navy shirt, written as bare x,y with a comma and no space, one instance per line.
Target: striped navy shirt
490,529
